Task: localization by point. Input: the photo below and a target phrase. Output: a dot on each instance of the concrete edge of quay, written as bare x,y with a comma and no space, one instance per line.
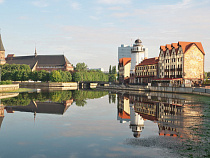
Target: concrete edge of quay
48,84
9,87
180,90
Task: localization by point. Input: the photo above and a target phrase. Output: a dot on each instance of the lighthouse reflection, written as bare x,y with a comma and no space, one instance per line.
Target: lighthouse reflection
165,110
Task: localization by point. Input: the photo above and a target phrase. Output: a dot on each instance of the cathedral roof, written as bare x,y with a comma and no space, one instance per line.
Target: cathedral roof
41,60
1,45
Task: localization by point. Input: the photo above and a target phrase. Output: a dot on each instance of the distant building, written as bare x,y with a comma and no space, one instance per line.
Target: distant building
37,62
182,61
147,70
124,51
100,69
2,53
42,62
124,70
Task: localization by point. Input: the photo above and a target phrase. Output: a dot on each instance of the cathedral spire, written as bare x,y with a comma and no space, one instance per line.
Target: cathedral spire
1,45
35,54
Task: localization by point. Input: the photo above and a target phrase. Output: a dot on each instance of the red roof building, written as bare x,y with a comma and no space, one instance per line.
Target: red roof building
147,70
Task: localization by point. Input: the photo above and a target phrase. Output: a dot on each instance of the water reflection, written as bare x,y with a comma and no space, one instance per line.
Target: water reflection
151,121
169,111
184,118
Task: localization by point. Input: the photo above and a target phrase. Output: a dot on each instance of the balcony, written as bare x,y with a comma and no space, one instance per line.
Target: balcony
166,70
179,69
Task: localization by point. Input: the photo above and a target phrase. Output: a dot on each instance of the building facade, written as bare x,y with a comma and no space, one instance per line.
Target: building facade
184,60
124,51
124,70
147,70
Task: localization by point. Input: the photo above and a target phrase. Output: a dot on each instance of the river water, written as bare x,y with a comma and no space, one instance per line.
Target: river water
78,124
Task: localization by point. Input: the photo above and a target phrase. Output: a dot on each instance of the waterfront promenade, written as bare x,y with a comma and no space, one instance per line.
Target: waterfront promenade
181,90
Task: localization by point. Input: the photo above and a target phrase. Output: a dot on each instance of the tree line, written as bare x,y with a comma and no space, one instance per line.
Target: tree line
79,97
16,72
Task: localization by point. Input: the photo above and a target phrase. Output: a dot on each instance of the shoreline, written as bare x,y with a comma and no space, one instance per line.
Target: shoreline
180,90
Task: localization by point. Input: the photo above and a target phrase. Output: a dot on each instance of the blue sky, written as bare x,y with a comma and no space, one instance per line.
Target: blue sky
91,31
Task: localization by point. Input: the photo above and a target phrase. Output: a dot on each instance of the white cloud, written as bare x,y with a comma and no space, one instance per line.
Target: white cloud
75,5
114,1
40,3
1,1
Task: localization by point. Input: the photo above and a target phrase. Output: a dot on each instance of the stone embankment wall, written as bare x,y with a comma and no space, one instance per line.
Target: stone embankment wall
48,84
201,91
9,87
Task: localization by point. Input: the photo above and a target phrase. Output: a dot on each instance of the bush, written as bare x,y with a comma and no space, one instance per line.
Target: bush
6,82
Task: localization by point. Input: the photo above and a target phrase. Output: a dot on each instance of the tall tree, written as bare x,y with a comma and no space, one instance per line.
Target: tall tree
114,70
110,69
81,67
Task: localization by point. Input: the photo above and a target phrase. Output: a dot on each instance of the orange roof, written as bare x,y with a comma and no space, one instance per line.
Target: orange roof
175,45
168,46
163,48
149,61
124,115
186,45
124,61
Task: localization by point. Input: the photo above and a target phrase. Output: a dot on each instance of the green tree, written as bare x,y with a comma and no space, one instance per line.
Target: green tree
110,69
81,67
112,78
55,76
114,70
76,77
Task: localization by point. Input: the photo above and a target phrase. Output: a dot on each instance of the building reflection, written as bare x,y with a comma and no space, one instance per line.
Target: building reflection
1,114
47,107
167,110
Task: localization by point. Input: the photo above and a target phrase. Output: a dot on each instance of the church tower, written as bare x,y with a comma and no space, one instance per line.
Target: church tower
2,53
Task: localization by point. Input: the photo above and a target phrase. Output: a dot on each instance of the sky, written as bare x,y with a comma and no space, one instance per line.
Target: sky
91,31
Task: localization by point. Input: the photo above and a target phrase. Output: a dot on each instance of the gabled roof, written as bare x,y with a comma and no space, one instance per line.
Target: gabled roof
168,46
124,61
149,61
186,45
41,60
1,45
174,45
163,48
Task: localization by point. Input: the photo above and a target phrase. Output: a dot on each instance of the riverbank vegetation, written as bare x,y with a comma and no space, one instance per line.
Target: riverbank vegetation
79,97
16,72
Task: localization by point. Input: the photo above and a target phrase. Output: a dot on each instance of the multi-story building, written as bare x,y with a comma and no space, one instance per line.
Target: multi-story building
183,60
147,70
124,51
124,70
138,53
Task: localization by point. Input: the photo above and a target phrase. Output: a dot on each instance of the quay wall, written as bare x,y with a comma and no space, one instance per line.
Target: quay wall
9,87
48,84
184,90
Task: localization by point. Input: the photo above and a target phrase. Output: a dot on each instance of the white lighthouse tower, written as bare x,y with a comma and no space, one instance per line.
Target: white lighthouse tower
138,53
136,122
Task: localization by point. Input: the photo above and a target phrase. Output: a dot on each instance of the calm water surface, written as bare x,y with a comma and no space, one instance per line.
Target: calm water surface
103,124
